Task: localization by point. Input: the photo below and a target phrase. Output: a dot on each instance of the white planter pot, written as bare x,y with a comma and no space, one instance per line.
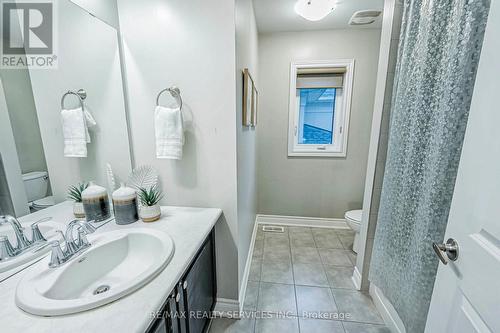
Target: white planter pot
78,210
150,213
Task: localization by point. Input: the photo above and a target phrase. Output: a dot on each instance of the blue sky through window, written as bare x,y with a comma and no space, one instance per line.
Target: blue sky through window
317,111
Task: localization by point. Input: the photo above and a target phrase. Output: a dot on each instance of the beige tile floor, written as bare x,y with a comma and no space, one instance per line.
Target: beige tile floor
298,276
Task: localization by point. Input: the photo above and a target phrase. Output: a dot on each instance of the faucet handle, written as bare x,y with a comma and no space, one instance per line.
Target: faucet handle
88,227
71,247
45,219
36,235
22,241
82,238
6,249
57,257
62,235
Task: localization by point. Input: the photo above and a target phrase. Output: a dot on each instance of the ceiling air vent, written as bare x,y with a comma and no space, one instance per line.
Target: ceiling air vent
363,17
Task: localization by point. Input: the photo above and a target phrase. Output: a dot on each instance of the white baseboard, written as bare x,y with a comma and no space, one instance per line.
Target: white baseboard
317,222
225,307
356,278
386,310
246,272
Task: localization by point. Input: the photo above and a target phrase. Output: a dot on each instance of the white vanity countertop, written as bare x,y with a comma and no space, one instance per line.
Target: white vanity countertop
188,227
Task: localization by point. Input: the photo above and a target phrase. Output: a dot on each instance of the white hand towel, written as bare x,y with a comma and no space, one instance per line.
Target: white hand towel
169,131
89,122
75,132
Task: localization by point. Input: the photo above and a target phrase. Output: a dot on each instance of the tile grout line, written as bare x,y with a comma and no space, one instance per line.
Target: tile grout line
258,282
293,278
323,265
260,277
329,283
331,291
298,317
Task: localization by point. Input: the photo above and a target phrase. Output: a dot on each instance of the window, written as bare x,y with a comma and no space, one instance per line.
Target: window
320,95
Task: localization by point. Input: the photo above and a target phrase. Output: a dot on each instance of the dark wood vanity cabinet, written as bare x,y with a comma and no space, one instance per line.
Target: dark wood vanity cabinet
189,306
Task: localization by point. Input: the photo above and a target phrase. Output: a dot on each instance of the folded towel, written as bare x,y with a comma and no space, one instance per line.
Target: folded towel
169,131
89,122
75,123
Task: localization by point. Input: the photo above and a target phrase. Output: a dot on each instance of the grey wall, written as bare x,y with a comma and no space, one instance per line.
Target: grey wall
13,198
190,44
307,186
24,121
246,57
6,204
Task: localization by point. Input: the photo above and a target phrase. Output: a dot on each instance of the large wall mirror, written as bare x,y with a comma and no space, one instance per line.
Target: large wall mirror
35,166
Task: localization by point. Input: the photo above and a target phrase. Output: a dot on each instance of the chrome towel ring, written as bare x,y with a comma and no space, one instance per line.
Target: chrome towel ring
81,94
174,91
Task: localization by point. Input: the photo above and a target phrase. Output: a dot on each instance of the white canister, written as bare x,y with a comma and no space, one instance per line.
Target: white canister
125,205
95,203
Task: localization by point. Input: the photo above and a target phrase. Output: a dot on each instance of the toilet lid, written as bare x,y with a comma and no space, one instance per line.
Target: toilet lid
354,215
44,202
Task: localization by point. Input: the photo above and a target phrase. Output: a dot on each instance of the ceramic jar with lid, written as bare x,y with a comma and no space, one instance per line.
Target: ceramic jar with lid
125,205
95,203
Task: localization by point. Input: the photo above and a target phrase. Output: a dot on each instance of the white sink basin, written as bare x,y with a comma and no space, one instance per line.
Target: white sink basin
48,231
117,264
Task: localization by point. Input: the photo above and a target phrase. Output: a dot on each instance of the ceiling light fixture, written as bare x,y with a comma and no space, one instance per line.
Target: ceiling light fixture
314,10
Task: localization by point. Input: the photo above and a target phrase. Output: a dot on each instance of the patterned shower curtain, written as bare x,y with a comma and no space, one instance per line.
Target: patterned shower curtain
439,49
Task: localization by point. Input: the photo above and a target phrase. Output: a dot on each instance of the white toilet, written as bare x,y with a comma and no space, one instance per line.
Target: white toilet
36,185
353,219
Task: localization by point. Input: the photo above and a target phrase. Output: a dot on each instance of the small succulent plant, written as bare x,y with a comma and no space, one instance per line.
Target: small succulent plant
149,196
75,191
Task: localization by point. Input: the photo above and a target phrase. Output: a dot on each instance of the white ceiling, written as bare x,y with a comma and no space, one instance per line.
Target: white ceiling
279,15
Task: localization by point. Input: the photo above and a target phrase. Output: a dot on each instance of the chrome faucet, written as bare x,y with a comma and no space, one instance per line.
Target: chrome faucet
84,228
36,235
73,246
22,241
8,251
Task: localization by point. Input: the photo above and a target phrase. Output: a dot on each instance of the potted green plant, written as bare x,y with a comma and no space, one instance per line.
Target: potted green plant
75,194
149,198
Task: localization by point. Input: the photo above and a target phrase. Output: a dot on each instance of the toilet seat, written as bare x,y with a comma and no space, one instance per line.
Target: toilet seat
354,215
43,202
353,219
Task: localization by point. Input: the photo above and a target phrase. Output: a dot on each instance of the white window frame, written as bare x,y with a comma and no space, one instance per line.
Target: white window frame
342,111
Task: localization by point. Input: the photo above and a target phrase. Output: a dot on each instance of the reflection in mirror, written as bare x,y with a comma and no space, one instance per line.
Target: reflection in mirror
105,10
36,167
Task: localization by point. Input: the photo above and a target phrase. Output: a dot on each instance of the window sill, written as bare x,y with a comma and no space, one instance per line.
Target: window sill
316,154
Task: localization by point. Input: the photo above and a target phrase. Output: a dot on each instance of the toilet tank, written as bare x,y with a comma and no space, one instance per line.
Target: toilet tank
36,184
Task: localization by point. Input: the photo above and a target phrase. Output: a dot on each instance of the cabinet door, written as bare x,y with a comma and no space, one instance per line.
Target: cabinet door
200,288
169,320
160,326
181,307
173,315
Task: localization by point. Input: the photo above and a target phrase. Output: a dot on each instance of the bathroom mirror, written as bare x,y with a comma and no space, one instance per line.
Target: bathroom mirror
104,10
34,171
